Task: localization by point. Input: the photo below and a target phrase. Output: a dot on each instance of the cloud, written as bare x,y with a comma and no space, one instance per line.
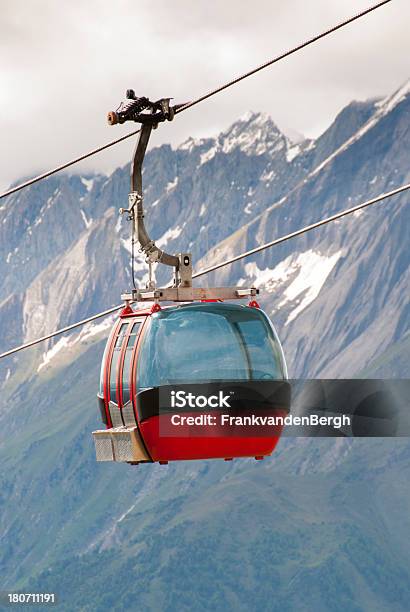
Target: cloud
63,65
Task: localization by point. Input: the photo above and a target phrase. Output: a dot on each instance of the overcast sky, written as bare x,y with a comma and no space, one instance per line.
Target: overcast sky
65,63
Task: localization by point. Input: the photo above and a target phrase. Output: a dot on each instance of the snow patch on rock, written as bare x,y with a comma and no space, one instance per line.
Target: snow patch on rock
88,183
267,176
90,330
51,353
87,222
208,155
171,185
305,274
293,151
170,234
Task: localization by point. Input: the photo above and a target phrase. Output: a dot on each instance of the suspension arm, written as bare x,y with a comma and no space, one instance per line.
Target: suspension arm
154,253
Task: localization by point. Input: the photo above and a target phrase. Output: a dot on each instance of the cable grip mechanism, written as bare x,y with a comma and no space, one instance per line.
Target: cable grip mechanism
181,290
133,110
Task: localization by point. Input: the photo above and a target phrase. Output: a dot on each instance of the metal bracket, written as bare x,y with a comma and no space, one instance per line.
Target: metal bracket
133,198
184,270
189,294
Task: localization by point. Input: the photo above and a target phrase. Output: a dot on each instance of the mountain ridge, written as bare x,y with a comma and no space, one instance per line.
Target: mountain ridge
323,524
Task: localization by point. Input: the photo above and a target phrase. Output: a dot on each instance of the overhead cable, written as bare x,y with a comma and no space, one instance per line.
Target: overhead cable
61,331
258,249
40,177
283,55
303,230
276,59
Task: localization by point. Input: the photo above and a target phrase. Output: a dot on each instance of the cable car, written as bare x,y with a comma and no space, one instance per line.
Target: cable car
200,379
160,367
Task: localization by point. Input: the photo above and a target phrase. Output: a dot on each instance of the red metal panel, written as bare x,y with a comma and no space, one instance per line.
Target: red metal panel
133,374
134,363
191,447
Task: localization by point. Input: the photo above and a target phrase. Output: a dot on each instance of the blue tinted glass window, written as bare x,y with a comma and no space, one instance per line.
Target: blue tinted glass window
127,362
120,337
206,342
115,359
263,349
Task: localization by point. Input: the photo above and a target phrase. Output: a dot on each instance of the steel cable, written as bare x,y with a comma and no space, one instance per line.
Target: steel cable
267,245
308,42
282,56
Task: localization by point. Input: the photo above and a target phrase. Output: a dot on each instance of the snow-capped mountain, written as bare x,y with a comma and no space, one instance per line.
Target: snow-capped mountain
339,297
65,250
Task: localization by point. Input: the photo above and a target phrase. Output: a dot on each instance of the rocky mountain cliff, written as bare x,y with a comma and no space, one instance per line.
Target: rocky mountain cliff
65,251
322,521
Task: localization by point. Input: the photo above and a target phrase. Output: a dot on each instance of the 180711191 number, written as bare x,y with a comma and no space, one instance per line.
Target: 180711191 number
27,598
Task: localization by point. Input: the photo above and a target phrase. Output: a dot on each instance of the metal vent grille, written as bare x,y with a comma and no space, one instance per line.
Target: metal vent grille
128,415
103,445
122,446
115,414
119,444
